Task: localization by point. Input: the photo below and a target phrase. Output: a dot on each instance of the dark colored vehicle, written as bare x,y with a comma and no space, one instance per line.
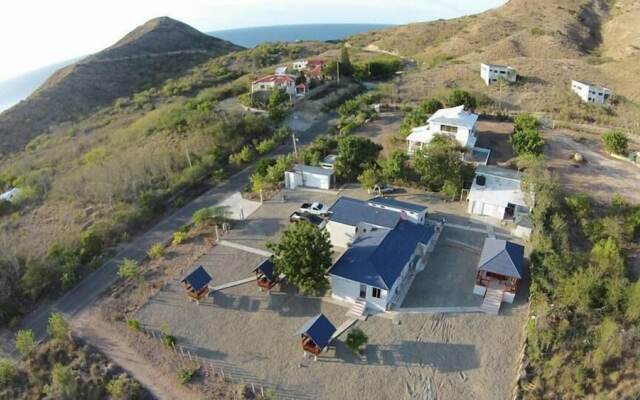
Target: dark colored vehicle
310,218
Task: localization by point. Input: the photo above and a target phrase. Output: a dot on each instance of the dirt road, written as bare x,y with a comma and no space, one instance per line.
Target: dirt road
601,176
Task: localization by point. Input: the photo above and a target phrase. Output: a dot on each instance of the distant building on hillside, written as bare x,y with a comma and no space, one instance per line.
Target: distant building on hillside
454,122
490,73
590,93
313,69
281,70
275,82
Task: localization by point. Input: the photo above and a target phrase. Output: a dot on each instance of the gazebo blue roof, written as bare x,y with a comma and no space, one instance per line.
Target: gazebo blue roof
198,278
502,257
319,329
267,269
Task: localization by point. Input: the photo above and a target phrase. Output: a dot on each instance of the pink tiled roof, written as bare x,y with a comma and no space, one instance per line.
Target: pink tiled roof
283,79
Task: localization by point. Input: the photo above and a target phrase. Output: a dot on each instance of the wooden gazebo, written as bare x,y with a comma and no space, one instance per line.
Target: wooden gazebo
265,275
501,267
197,284
316,334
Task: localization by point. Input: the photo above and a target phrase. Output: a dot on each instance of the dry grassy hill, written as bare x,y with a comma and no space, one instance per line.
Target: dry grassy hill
160,49
548,42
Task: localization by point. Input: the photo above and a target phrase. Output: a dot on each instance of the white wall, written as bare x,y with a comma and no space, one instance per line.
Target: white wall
341,235
590,94
348,290
316,180
490,74
479,208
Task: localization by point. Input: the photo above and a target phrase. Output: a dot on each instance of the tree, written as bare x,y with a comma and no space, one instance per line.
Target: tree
129,269
633,303
346,68
438,163
462,97
356,339
395,167
25,342
6,371
63,384
369,178
58,327
355,153
277,105
616,142
123,388
527,141
525,121
430,106
303,254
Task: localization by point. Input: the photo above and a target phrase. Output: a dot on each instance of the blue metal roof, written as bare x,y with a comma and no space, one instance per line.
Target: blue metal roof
378,257
502,257
198,279
402,205
267,268
319,329
352,212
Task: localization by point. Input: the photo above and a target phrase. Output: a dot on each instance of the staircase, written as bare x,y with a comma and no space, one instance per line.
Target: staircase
492,301
358,310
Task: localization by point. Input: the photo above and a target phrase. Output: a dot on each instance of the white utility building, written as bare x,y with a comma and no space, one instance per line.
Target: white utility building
308,176
490,73
590,93
454,122
496,193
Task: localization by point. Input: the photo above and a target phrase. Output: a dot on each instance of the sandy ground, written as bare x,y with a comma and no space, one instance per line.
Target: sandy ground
494,135
601,176
252,334
105,337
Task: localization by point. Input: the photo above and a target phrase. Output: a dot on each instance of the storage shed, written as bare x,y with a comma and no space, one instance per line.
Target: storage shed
316,334
308,176
496,193
197,284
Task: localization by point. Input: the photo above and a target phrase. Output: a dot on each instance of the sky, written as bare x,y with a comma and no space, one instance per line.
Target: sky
37,33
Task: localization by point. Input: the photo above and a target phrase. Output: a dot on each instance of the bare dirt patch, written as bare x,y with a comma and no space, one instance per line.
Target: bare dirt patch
494,135
600,176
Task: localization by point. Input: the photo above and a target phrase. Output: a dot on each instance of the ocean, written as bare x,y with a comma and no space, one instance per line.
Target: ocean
19,88
251,37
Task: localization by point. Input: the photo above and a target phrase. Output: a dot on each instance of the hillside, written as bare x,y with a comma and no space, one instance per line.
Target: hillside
158,50
548,42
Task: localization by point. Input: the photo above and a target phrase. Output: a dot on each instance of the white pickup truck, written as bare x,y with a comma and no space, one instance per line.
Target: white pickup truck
314,208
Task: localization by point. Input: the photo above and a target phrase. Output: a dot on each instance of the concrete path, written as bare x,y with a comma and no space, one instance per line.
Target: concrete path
92,286
242,247
342,328
234,284
434,310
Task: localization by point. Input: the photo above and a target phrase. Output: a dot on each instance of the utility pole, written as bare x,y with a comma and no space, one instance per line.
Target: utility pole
338,69
295,146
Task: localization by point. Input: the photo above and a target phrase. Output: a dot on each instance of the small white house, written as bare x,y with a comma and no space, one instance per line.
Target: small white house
590,93
308,176
413,212
490,73
10,195
300,65
275,82
454,122
348,216
374,269
496,193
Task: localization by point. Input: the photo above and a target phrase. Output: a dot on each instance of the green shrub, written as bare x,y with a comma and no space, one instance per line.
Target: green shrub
462,97
25,342
123,388
616,142
167,338
266,146
133,324
58,327
178,238
128,269
156,251
185,375
528,141
356,339
7,371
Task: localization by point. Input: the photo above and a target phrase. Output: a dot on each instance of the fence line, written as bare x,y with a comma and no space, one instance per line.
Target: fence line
212,369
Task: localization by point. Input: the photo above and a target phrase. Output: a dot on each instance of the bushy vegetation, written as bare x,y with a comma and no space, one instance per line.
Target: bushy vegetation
526,138
156,251
356,339
355,154
460,97
616,142
303,254
353,113
378,68
583,336
441,168
418,116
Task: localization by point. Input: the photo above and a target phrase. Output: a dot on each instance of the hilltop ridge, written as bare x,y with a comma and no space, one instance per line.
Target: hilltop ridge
153,52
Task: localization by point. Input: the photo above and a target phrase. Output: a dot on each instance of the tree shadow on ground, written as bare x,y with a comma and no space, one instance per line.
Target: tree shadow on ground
445,357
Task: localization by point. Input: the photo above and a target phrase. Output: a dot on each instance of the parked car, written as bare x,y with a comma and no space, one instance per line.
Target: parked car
314,208
383,189
314,219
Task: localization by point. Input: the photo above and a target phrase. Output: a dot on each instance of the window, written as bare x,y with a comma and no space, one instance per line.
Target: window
449,128
375,292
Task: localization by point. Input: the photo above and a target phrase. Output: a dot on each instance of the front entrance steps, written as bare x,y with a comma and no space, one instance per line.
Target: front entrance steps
492,301
358,310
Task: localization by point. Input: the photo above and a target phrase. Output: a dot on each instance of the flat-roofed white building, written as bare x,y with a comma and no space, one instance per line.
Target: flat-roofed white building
496,193
309,176
590,93
490,73
454,122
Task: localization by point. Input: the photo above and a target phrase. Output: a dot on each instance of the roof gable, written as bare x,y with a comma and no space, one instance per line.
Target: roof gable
502,257
319,329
